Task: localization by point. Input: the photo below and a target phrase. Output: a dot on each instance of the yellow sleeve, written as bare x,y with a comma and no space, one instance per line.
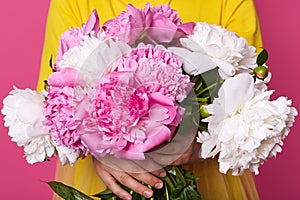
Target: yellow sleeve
240,16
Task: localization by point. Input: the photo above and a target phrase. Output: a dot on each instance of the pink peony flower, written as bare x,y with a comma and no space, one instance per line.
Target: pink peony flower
161,24
168,12
59,114
135,106
155,63
74,37
127,26
166,24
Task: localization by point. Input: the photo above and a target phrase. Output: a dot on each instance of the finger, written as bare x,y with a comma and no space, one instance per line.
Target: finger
138,172
137,166
110,182
130,182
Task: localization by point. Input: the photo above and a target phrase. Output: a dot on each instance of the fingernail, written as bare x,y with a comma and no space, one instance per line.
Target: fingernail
127,197
147,193
158,185
163,174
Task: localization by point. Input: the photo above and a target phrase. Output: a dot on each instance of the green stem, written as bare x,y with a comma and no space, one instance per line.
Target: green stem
169,182
149,186
206,89
180,175
167,193
198,85
174,181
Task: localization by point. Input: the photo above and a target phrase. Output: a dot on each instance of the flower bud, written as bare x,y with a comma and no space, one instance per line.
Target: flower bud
261,71
203,111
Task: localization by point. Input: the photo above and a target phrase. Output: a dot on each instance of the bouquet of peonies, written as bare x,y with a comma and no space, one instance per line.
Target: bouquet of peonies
131,86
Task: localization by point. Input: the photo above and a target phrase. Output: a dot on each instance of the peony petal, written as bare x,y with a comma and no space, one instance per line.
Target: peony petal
94,142
136,14
162,29
235,92
93,24
30,112
191,45
227,68
102,57
209,148
187,28
66,77
179,115
155,136
37,130
67,155
158,113
194,63
130,155
162,108
148,15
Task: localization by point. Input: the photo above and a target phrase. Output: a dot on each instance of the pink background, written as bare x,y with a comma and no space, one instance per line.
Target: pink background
21,39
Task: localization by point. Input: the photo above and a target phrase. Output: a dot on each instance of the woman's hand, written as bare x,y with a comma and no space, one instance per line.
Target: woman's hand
190,156
183,149
129,173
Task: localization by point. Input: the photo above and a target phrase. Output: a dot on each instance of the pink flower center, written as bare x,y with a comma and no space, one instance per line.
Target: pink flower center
138,105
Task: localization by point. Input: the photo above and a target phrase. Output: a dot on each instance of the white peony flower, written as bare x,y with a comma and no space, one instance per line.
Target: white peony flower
245,127
67,155
94,56
23,115
229,52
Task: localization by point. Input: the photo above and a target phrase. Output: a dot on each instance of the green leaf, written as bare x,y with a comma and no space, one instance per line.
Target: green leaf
262,57
178,189
51,63
106,194
46,85
67,192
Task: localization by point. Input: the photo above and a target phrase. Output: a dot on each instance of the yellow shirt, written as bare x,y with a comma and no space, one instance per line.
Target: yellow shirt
236,15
